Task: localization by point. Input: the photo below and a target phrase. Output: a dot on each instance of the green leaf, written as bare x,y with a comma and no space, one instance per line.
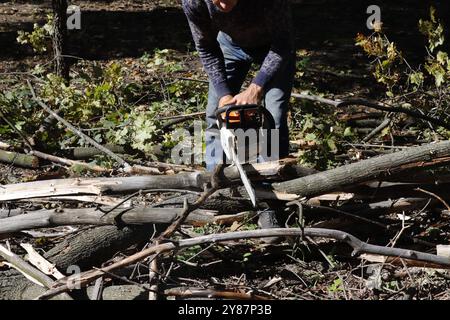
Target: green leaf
442,57
348,132
416,78
311,137
332,145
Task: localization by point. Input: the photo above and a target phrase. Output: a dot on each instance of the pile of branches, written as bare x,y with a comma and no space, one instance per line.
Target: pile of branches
98,217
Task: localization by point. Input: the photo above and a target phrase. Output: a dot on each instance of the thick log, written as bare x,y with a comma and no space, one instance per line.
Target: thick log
19,159
377,168
86,249
29,271
7,213
91,216
97,186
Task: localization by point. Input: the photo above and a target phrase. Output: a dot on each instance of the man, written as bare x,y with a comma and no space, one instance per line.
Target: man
231,35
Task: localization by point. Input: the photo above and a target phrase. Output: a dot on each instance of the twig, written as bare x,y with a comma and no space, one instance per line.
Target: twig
19,132
436,196
77,131
183,116
142,192
188,208
358,246
366,145
374,105
351,215
153,277
378,129
211,293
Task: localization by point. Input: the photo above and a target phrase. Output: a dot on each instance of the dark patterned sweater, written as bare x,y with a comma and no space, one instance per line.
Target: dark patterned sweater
251,24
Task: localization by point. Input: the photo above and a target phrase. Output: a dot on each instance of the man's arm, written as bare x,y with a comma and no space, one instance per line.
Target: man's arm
205,38
279,21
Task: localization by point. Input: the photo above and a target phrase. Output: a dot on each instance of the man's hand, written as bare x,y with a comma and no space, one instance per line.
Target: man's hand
227,100
252,95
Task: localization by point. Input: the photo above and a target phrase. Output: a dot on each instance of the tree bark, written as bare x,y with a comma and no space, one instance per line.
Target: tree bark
91,216
377,168
192,181
19,159
84,153
60,38
85,250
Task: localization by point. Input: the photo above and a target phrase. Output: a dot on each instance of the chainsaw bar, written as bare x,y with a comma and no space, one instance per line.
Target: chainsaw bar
239,117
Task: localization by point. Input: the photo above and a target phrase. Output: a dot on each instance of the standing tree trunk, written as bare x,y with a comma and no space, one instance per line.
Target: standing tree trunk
60,38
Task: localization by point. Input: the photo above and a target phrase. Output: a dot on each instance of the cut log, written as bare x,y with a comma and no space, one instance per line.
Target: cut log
377,168
7,213
19,159
86,249
98,186
91,216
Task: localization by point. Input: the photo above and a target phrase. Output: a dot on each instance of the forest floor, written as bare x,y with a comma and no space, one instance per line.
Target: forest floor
329,64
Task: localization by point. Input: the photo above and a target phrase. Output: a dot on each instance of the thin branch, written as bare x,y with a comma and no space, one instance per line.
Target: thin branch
188,208
436,196
77,131
371,104
359,247
212,293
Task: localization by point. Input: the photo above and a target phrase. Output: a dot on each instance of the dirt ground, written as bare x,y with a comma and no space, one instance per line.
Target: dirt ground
128,29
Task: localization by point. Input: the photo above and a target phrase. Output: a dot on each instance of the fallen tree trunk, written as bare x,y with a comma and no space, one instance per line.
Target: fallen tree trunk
347,178
92,216
377,168
97,186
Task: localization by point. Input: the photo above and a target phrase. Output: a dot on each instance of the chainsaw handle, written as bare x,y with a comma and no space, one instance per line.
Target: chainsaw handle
242,108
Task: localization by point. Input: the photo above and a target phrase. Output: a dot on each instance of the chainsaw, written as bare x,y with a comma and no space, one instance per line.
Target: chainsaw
234,121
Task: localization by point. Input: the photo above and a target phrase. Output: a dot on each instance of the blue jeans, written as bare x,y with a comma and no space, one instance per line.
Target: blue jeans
276,99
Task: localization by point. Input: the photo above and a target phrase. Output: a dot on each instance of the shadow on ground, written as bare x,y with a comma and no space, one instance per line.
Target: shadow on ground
318,24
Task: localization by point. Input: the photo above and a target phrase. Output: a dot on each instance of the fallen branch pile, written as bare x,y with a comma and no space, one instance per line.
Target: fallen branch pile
309,190
150,213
